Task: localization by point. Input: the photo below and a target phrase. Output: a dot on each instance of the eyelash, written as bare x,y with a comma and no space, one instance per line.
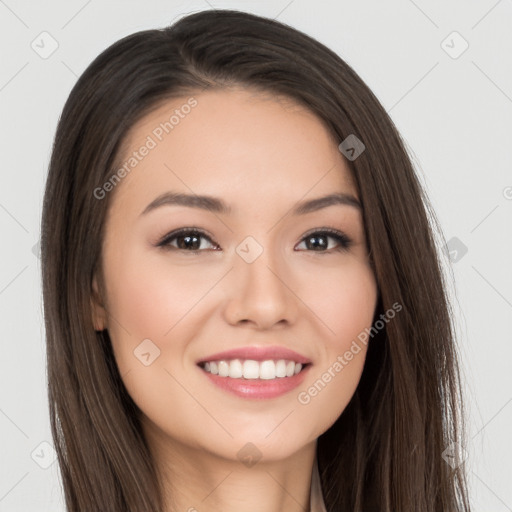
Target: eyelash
344,241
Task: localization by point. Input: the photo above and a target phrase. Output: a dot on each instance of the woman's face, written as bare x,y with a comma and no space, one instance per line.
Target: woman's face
262,278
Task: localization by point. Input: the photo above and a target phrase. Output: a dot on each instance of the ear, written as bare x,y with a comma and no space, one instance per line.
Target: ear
99,313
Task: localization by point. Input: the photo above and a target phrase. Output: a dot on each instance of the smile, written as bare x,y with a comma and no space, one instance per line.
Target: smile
250,379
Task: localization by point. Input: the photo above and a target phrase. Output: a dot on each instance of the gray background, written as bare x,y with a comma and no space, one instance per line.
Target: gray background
453,109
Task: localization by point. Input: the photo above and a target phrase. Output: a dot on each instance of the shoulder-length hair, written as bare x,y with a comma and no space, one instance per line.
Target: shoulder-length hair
385,450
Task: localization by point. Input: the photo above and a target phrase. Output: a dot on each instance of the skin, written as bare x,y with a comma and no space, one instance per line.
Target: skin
261,154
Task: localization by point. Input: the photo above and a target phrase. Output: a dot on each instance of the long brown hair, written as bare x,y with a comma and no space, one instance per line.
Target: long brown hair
385,450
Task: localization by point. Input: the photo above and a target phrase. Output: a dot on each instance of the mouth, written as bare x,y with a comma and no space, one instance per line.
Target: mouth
256,380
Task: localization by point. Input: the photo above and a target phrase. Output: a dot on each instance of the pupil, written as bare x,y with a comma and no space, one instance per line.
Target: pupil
321,244
186,244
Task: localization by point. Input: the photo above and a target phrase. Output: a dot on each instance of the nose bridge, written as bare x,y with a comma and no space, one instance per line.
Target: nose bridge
260,292
259,270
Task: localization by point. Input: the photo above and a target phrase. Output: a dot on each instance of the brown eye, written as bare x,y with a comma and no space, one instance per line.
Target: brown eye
186,239
318,241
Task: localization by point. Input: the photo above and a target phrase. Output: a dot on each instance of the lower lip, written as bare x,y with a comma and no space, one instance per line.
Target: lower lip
258,388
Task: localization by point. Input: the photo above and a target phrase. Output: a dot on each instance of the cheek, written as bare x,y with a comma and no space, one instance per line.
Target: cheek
147,299
344,300
152,295
150,300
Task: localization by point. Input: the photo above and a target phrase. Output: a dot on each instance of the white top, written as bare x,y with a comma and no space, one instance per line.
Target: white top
316,502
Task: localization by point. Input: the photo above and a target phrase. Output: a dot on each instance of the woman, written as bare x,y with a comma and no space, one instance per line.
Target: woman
243,301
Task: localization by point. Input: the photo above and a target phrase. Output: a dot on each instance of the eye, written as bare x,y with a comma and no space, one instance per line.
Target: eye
318,240
187,239
190,240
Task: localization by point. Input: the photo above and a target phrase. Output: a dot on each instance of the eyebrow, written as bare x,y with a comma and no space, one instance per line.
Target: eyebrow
217,205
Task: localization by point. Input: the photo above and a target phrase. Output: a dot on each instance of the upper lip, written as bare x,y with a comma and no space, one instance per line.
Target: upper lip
256,353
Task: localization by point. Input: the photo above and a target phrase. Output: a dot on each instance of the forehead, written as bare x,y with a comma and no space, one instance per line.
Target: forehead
250,143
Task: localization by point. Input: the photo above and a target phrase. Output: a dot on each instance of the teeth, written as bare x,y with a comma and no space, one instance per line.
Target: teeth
267,370
236,370
223,369
281,368
250,369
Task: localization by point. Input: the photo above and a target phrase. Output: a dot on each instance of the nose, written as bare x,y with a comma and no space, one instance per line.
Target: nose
260,293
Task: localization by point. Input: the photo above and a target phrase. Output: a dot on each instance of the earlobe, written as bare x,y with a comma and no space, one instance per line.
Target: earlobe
99,314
